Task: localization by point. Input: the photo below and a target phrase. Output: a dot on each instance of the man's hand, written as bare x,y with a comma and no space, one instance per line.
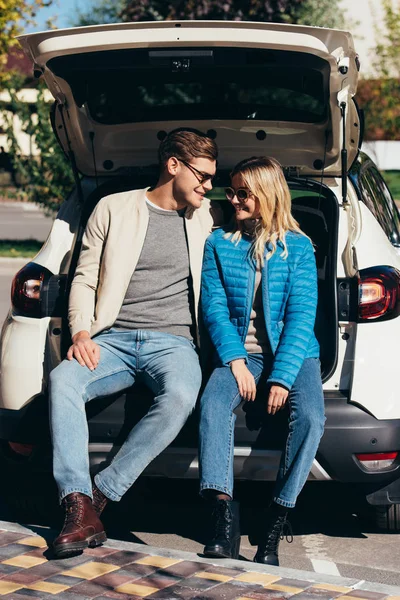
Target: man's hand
84,350
276,399
244,379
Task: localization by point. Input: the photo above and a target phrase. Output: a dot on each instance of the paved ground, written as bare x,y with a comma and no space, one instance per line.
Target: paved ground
22,221
130,571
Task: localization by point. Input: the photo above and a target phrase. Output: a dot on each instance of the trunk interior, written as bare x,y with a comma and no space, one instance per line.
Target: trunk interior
316,209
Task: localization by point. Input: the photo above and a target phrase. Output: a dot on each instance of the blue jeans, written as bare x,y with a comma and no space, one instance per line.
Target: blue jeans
217,423
168,364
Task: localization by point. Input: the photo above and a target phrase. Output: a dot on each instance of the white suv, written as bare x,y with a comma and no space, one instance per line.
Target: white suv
257,89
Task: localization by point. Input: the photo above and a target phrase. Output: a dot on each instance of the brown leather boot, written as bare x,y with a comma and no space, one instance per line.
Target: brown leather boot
82,527
100,501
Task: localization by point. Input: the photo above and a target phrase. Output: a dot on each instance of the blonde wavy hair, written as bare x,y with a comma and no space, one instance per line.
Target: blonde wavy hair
264,177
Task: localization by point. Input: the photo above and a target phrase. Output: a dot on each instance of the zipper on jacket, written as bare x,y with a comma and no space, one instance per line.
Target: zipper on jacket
253,281
266,307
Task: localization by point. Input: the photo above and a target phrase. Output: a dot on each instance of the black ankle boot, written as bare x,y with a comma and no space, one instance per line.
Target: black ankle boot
226,537
277,528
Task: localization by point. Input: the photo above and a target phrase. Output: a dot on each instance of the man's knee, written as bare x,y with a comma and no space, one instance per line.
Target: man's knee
67,375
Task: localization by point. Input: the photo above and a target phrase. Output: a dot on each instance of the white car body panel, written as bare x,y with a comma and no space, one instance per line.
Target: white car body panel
374,384
135,144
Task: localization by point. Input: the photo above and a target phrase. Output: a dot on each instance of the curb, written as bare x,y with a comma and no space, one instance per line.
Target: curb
282,572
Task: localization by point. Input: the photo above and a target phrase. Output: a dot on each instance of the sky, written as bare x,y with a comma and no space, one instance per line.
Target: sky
357,10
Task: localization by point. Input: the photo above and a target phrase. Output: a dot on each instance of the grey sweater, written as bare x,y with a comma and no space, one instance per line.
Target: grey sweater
159,296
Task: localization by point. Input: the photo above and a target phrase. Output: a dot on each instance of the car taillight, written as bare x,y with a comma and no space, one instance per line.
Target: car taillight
27,290
378,293
377,461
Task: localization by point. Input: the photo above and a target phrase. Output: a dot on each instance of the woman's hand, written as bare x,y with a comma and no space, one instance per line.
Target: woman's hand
244,379
84,350
276,399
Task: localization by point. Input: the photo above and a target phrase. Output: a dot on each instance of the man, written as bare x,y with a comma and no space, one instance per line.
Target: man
132,314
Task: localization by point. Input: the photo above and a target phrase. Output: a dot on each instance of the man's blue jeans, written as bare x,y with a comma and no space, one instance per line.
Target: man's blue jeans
217,423
168,364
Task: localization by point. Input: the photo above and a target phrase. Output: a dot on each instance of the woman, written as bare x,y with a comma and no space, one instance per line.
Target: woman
259,300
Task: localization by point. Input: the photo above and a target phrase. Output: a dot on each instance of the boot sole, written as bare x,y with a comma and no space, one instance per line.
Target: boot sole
63,550
215,554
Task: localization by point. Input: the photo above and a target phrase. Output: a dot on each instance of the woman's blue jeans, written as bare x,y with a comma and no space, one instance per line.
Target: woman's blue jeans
168,364
217,422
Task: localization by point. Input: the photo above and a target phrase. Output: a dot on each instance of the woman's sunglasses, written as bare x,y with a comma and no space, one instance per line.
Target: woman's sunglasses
242,194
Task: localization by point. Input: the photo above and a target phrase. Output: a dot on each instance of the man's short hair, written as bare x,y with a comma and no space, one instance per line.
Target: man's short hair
186,144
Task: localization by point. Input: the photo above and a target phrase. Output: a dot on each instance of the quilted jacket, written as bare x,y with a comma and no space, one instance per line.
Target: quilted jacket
289,292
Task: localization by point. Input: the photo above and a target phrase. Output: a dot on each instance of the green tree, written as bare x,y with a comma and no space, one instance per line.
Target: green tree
324,13
387,49
103,11
46,177
14,15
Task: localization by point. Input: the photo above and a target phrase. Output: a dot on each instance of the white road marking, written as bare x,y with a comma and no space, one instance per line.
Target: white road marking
327,567
315,552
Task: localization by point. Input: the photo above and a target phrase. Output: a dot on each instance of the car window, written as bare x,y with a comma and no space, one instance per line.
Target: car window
375,194
145,85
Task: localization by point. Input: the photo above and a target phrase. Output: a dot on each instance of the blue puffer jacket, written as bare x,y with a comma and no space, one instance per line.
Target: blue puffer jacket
289,292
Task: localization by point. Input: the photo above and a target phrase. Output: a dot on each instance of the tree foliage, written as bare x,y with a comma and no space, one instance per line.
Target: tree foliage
324,13
380,100
14,15
100,12
387,49
46,178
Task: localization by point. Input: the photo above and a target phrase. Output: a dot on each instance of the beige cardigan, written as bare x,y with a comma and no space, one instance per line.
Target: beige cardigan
111,246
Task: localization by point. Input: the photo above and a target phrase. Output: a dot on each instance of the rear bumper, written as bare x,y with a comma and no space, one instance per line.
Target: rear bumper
348,430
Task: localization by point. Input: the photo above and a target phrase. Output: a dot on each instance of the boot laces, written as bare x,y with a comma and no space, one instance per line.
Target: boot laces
222,520
73,512
280,529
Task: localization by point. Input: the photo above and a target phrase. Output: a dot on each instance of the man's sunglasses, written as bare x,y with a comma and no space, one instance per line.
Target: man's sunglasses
242,194
200,175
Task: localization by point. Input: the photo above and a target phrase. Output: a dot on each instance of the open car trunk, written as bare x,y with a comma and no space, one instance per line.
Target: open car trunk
257,88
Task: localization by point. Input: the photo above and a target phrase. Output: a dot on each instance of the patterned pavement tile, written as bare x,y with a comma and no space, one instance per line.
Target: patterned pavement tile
64,580
45,570
365,595
137,589
198,583
89,589
228,591
159,580
6,570
333,588
24,576
175,593
90,570
140,570
118,596
158,561
34,540
296,583
264,594
260,578
122,558
100,551
8,537
24,561
288,589
213,576
323,593
114,579
12,550
223,570
186,568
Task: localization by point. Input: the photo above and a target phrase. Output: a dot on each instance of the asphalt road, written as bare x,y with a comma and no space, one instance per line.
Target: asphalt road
331,532
22,221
